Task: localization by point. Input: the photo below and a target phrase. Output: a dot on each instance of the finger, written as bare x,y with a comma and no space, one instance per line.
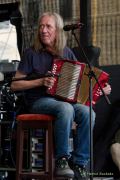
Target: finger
49,81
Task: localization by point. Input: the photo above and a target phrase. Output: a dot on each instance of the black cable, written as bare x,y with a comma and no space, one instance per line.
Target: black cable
12,130
10,99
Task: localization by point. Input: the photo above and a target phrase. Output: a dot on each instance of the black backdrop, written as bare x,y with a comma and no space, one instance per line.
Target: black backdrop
107,116
107,123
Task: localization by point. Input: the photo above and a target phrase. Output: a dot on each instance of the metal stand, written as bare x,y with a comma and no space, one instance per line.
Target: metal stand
91,75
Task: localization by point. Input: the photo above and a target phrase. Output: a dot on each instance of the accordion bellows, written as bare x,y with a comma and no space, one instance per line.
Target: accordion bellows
72,84
83,94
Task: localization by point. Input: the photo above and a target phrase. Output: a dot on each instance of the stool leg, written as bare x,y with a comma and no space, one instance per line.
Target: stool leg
48,174
19,156
49,148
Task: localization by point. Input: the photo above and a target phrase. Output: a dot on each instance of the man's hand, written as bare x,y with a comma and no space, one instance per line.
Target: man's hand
106,89
48,81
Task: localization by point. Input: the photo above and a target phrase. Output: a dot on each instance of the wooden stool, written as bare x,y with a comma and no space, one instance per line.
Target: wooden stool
35,121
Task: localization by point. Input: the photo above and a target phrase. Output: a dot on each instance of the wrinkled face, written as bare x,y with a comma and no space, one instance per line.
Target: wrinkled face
47,31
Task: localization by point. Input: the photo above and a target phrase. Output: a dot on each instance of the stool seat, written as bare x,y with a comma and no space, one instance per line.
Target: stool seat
31,117
35,121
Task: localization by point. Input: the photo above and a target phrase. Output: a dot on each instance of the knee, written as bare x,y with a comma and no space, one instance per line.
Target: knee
84,115
65,112
87,114
65,108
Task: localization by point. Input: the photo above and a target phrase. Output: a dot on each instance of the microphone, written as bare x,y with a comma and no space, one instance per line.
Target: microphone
73,26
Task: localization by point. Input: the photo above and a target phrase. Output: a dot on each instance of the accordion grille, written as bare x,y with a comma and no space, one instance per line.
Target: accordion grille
68,80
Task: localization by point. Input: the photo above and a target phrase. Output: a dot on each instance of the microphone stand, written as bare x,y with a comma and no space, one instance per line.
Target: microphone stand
91,75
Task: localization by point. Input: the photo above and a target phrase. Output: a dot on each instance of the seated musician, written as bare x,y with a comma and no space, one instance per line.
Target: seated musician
50,43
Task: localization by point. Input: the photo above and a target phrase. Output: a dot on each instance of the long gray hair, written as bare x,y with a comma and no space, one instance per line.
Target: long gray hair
60,39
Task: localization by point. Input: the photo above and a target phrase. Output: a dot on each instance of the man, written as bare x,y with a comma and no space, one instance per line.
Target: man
50,43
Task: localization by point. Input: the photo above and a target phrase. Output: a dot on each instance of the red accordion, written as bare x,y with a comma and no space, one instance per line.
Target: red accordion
72,84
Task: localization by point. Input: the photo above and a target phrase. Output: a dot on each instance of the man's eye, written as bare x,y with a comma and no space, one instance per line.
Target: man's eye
49,26
41,26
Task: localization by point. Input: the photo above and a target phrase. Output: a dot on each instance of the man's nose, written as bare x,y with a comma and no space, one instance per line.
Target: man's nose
44,29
